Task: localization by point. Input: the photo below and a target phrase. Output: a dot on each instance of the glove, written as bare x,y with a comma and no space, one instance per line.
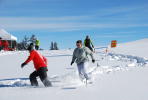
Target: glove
93,61
72,62
22,65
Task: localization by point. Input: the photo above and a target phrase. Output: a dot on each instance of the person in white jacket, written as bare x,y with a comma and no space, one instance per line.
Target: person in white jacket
80,56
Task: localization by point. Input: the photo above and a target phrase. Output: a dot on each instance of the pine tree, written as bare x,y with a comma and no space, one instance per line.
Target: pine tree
52,46
25,42
55,46
33,39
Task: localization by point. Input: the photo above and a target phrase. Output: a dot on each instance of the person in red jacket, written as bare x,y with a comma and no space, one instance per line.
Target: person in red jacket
1,45
40,64
6,45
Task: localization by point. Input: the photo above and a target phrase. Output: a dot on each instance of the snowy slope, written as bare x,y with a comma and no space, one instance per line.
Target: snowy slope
136,48
119,74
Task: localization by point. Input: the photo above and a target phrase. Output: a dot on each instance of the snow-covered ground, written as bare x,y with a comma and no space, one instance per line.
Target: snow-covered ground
120,74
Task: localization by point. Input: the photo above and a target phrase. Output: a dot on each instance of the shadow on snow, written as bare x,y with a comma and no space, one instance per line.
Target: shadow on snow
14,82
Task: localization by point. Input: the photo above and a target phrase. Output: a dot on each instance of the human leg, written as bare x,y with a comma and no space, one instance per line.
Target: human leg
33,78
43,76
81,70
85,64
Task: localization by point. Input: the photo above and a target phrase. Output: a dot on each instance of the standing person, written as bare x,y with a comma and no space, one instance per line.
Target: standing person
6,45
88,43
1,46
40,64
37,44
80,55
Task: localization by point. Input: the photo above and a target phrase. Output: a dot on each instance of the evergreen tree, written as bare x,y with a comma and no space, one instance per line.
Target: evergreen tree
52,46
33,39
55,46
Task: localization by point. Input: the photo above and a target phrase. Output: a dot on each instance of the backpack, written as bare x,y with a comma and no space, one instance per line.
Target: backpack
87,42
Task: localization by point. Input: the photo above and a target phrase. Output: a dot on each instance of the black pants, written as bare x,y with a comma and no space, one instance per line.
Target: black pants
42,73
90,48
1,48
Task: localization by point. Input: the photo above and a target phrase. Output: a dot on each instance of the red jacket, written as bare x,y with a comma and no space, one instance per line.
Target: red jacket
6,44
38,60
0,42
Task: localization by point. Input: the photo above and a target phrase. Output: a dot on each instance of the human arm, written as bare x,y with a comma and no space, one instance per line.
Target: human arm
45,60
91,43
31,56
89,52
73,57
84,42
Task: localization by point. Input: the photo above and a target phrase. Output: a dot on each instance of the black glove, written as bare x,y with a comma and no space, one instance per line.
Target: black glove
72,62
93,61
22,65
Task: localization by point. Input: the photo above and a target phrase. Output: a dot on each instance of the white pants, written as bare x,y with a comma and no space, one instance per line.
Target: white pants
82,70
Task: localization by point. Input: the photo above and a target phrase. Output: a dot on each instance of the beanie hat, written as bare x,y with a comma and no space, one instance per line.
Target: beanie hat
30,47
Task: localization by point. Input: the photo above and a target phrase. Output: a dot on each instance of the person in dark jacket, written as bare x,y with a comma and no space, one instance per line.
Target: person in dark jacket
40,64
88,43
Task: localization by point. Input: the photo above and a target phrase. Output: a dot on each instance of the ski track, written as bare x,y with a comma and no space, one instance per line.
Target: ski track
70,80
3,53
139,60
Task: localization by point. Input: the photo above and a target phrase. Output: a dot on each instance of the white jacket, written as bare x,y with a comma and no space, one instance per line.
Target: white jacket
81,55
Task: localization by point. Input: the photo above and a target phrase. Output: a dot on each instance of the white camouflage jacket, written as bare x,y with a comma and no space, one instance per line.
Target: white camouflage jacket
81,55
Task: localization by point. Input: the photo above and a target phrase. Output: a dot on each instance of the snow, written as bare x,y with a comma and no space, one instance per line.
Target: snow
6,36
135,48
119,74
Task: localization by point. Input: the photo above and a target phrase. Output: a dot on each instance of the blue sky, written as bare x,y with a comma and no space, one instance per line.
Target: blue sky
66,21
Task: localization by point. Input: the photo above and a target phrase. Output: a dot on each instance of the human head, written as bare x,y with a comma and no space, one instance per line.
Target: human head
30,47
79,43
87,37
